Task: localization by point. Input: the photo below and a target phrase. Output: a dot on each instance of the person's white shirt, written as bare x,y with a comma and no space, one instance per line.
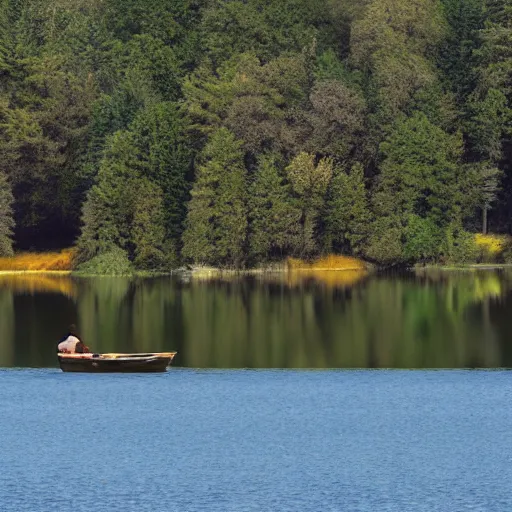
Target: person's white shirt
68,345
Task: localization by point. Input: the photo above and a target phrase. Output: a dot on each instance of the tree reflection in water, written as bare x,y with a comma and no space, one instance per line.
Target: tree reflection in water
301,319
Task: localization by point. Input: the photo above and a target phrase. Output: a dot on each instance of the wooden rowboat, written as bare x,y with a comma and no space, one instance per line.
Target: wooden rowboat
114,362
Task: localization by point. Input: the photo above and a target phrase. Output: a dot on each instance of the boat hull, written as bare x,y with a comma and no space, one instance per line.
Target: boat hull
115,363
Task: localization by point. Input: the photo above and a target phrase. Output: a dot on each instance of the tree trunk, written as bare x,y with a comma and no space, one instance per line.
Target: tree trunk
484,220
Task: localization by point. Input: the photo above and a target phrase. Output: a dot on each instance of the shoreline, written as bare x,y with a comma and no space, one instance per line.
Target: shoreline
213,271
468,266
24,272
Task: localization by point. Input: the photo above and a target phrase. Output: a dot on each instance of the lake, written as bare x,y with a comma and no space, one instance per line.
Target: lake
258,436
434,319
256,440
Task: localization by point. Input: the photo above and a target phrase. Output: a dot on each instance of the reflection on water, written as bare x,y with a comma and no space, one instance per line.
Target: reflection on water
301,319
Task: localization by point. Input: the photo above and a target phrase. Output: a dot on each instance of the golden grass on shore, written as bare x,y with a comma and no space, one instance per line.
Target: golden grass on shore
40,261
330,262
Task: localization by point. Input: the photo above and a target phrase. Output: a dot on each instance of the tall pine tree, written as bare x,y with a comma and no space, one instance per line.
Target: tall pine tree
274,218
419,177
216,224
6,216
309,182
347,219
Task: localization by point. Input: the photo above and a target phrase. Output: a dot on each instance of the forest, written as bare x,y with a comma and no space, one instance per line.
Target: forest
155,133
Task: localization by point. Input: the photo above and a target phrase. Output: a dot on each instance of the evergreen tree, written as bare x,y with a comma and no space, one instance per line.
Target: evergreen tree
216,224
6,216
348,217
148,228
457,53
165,154
108,106
274,219
124,209
264,28
337,119
419,176
262,104
491,102
309,183
392,42
108,209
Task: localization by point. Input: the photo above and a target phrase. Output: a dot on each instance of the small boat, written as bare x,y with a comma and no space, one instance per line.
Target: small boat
110,363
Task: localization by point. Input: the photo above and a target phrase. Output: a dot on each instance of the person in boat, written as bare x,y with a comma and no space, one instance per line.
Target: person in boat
71,343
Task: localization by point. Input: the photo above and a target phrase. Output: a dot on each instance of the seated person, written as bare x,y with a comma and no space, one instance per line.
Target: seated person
71,343
81,348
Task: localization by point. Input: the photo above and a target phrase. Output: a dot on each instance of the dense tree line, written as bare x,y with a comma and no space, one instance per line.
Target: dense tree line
234,132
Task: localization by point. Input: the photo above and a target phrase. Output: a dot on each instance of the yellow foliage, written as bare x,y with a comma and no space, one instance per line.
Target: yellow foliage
39,261
330,262
492,244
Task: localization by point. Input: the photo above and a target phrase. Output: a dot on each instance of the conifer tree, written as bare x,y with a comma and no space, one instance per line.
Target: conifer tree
108,209
6,216
491,102
274,219
348,215
124,209
216,224
309,183
165,155
148,231
419,176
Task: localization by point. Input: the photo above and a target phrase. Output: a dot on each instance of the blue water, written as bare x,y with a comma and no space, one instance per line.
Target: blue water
256,441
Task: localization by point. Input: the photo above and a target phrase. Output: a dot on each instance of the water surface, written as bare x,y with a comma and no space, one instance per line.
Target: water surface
195,440
438,319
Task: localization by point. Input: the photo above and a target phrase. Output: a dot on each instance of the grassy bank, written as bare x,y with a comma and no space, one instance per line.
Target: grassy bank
61,261
487,251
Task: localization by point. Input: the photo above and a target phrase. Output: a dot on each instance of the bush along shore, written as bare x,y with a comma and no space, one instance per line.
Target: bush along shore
172,134
486,251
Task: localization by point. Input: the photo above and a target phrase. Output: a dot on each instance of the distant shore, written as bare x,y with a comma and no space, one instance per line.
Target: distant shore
62,263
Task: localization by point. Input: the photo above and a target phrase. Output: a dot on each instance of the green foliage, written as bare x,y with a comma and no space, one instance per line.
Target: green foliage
217,130
107,211
398,64
165,154
43,121
337,118
459,246
264,28
124,209
274,218
385,244
457,54
216,224
419,171
423,239
258,103
111,263
348,217
6,217
491,101
419,178
309,183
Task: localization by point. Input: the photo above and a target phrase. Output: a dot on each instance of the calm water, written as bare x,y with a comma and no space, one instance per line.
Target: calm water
323,320
268,440
235,440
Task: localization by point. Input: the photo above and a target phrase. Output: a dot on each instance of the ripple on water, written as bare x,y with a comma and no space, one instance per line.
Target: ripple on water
255,440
